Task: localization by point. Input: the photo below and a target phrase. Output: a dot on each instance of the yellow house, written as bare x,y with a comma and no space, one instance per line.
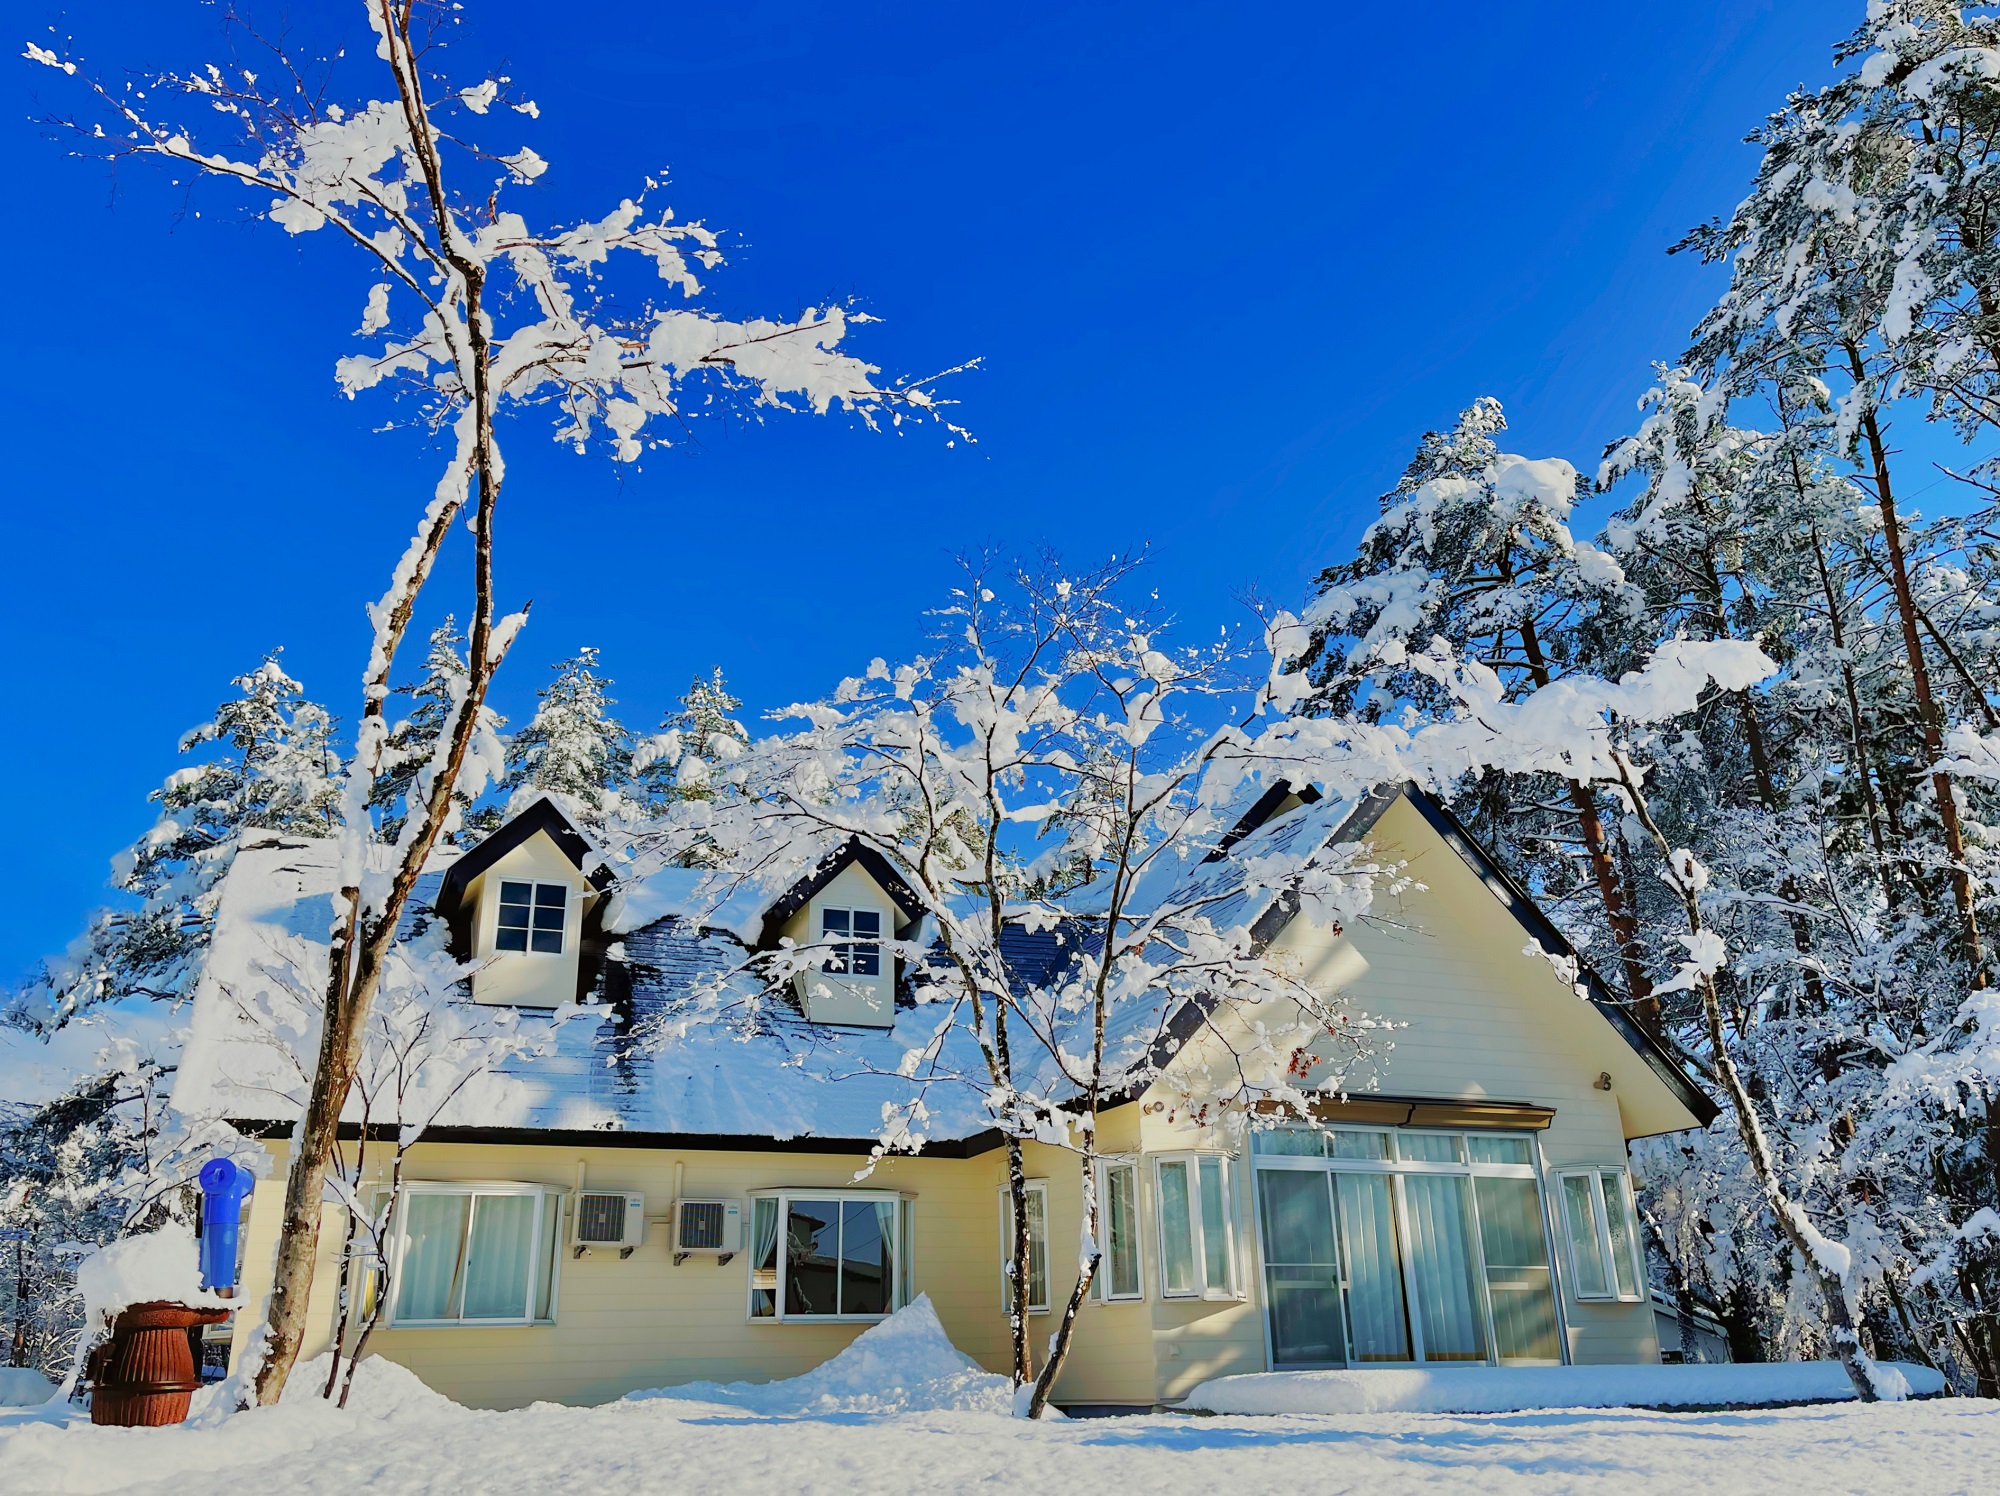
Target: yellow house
620,1214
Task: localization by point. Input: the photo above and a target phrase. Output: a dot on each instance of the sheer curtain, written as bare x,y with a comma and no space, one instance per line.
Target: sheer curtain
499,1249
1176,1229
434,1241
1441,1250
1517,1270
764,1258
1375,1310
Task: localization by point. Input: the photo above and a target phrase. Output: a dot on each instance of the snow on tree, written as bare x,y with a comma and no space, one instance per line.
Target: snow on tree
572,750
413,741
474,311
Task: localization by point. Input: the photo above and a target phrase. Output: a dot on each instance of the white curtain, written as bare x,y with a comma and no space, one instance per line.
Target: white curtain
433,1246
500,1247
764,1257
1176,1229
1441,1251
1376,1318
1517,1270
1121,1216
1215,1225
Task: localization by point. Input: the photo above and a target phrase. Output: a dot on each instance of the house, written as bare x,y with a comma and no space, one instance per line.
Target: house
614,1215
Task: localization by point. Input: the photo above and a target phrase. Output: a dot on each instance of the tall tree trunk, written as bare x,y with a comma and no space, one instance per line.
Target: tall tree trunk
1928,712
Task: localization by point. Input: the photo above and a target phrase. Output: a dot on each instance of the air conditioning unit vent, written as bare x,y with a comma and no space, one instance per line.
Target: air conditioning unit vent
607,1219
708,1228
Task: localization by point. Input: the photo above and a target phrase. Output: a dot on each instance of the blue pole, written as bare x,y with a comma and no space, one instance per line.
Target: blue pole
224,1183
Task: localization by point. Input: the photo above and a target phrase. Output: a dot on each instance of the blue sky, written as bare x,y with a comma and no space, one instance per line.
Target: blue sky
1224,264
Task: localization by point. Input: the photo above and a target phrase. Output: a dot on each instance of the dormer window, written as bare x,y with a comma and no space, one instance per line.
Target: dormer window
531,917
855,938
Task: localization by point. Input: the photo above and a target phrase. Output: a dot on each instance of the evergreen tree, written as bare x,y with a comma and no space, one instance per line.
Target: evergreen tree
407,754
573,750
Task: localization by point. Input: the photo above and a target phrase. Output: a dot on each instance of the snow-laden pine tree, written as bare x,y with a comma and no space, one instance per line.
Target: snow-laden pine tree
412,742
573,750
681,761
265,760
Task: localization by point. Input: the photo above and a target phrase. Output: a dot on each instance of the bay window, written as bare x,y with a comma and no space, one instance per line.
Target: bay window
1603,1240
475,1254
829,1254
1197,1226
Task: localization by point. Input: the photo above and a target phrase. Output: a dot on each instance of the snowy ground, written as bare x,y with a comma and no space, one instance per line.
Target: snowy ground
901,1411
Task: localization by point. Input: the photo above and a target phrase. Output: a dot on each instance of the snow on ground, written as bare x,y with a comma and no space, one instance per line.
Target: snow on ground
1482,1389
901,1410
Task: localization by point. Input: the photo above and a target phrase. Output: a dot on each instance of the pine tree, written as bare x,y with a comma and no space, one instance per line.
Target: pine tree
407,754
573,750
683,760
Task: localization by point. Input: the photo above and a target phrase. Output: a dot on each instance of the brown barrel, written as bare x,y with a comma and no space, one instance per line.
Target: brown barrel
145,1374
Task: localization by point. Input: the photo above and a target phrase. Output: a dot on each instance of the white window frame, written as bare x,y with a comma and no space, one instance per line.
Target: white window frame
549,1199
1233,1291
1039,1188
901,1292
535,887
842,951
1603,1246
1100,1286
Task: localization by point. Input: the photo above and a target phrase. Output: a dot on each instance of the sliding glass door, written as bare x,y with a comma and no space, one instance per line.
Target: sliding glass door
1385,1247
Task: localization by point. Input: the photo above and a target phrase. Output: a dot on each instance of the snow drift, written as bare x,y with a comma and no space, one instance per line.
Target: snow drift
1521,1389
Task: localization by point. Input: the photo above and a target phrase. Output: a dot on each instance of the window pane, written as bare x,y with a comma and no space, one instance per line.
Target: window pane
514,916
867,924
1376,1316
1441,1251
1286,1142
1038,1249
548,942
1623,1236
1215,1226
1301,1269
511,940
1428,1147
1500,1150
433,1244
517,893
865,960
812,1257
551,896
1176,1230
1581,1218
867,1258
1359,1145
1517,1269
547,918
834,922
1121,1217
763,1258
545,1257
906,1260
496,1265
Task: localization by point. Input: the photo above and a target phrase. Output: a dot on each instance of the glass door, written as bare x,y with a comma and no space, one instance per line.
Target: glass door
1301,1268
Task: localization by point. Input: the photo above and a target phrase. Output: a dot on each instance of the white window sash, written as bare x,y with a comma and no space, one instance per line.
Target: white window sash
1101,1285
902,1243
1605,1250
1232,1287
543,1244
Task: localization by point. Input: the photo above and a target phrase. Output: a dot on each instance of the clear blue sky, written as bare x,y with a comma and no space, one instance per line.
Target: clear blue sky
1224,265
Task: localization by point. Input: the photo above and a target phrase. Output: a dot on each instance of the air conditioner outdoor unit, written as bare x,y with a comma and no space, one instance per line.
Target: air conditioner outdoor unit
605,1218
708,1228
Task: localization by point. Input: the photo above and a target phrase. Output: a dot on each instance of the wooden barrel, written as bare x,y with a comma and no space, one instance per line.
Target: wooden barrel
145,1375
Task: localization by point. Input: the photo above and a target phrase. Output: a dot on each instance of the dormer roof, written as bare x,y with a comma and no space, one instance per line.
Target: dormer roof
543,816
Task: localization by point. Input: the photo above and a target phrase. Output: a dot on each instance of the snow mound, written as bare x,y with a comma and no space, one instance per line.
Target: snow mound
1521,1389
24,1387
141,1269
382,1389
906,1364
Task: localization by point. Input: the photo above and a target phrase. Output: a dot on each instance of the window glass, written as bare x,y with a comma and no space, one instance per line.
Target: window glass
1301,1268
812,1257
1344,1144
905,1257
763,1258
867,1256
1176,1229
1292,1142
1215,1225
1428,1147
517,902
866,960
1441,1250
1618,1215
531,917
1580,1215
433,1240
1119,1211
1038,1246
1377,1318
499,1250
1517,1269
1492,1150
545,1259
551,900
854,936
